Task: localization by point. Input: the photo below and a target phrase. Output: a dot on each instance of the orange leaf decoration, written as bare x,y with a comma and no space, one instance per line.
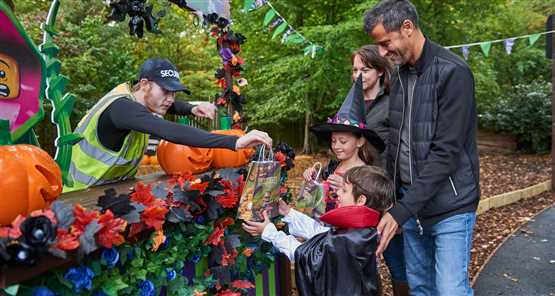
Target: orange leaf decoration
228,200
135,229
142,194
82,219
242,284
216,236
226,222
157,240
66,241
221,101
281,158
110,233
154,217
228,258
199,186
236,89
248,252
180,179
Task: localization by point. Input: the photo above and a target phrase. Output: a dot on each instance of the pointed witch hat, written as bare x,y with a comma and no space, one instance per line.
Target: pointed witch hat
350,118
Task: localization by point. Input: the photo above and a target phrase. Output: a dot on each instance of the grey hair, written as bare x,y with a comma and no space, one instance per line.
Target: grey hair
391,14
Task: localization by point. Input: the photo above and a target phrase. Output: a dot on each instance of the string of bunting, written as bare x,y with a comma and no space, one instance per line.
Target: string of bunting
485,46
279,25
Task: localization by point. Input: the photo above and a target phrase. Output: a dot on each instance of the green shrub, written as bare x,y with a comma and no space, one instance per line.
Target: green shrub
525,112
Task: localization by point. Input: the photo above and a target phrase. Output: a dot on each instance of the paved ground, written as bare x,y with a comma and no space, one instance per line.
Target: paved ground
525,264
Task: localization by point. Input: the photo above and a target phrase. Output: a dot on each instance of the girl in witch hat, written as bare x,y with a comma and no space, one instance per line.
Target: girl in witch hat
352,143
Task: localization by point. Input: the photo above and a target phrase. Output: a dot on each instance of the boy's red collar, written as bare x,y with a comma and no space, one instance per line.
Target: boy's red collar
352,217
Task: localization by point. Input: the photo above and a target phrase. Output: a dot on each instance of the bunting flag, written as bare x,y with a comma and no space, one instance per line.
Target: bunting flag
465,51
277,25
508,42
486,46
533,38
250,5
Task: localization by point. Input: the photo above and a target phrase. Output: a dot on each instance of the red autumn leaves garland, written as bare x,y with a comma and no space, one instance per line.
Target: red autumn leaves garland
75,227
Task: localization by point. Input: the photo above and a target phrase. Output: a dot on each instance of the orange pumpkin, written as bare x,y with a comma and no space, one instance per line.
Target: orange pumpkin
145,160
153,160
225,158
149,160
30,180
179,159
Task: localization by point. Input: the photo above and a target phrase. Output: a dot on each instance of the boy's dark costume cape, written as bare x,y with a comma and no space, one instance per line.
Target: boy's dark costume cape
341,261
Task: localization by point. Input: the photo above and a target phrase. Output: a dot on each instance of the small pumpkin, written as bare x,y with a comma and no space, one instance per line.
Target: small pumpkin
153,160
225,158
149,160
179,159
145,160
30,181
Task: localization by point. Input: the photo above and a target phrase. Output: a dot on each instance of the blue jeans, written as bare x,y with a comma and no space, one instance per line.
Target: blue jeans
395,259
437,260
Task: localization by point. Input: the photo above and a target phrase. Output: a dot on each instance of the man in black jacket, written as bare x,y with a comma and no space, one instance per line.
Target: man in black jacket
433,157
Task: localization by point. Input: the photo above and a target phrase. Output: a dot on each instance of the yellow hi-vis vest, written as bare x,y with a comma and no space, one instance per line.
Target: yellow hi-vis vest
93,164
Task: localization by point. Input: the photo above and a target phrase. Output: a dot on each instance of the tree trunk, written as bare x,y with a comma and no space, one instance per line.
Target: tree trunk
307,123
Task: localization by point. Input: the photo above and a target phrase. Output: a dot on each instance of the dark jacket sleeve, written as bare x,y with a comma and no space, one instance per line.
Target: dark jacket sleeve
455,112
181,108
127,114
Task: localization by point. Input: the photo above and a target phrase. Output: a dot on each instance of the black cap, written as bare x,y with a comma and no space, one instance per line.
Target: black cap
164,73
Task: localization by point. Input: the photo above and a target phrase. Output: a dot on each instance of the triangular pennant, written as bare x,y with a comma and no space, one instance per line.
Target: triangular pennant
486,46
295,39
280,29
533,38
509,43
286,35
268,17
465,51
12,290
308,49
247,5
275,23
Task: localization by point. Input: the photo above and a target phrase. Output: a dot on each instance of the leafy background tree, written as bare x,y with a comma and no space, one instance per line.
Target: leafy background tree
287,90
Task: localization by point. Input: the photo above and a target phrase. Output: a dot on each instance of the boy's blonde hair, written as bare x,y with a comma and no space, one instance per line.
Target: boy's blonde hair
374,184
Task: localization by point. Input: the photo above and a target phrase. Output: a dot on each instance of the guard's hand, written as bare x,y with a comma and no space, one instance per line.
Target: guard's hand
336,182
256,228
204,109
386,229
252,139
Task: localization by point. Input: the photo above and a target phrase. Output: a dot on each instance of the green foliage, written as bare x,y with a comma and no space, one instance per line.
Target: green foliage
285,86
526,113
97,56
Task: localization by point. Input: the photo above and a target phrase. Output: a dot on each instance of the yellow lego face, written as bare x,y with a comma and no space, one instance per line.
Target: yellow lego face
9,77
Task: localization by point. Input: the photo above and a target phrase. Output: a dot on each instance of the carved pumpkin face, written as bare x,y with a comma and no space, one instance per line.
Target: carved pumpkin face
178,159
31,181
225,158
